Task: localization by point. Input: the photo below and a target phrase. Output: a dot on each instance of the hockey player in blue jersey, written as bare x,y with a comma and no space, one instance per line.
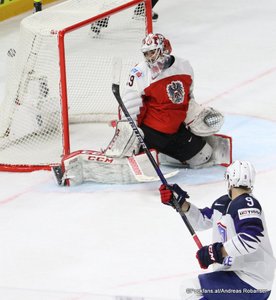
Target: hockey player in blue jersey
241,253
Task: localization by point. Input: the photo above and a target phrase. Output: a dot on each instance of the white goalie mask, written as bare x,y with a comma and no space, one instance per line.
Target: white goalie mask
240,174
156,49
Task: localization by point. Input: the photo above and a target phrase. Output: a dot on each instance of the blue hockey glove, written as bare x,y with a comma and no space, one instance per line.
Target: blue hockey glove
208,255
167,193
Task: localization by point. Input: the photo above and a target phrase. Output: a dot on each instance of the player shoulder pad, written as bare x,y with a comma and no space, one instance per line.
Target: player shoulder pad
221,204
138,71
245,206
183,65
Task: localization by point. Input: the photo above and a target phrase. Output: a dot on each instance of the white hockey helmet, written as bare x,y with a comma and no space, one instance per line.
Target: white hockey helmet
154,41
240,174
156,49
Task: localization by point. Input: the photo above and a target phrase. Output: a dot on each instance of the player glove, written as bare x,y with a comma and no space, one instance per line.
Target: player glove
167,193
208,255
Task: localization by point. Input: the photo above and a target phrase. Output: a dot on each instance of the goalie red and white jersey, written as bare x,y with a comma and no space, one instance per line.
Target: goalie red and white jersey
160,103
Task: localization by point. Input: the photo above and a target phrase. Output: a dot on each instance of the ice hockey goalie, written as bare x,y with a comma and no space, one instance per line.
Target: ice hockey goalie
159,98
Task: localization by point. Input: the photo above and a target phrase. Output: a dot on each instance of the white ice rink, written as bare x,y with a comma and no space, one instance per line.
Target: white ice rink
99,241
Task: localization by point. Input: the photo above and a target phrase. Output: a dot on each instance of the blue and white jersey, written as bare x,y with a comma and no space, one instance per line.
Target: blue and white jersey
240,225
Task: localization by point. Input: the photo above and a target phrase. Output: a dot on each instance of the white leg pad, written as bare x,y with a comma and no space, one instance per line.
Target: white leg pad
169,161
202,157
199,159
220,153
90,165
73,167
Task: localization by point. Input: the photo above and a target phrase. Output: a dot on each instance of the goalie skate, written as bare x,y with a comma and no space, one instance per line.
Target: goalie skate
58,173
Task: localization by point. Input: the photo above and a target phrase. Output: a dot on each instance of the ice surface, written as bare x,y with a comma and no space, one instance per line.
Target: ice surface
97,241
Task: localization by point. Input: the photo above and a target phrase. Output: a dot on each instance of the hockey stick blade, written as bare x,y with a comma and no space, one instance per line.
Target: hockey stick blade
145,178
117,66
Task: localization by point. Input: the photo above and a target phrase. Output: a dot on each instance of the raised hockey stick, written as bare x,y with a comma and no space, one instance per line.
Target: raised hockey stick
117,65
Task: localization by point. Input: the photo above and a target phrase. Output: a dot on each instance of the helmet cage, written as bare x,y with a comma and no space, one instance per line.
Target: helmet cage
156,49
152,56
152,42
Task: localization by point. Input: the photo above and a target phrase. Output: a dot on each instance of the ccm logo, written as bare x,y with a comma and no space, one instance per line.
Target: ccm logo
104,159
210,250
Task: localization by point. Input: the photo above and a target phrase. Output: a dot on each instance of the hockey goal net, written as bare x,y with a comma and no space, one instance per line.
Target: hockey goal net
61,73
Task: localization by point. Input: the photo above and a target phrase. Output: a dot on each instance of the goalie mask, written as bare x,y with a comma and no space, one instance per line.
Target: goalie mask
156,49
240,174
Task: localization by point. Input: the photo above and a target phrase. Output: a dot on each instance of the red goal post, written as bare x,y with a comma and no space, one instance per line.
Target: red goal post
61,73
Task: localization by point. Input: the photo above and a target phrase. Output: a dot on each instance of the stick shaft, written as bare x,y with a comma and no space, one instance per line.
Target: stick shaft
116,92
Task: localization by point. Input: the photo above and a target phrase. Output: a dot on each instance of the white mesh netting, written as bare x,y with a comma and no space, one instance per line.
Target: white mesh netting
30,114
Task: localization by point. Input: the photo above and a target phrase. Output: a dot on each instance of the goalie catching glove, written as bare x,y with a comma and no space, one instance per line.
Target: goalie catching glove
207,122
203,121
173,195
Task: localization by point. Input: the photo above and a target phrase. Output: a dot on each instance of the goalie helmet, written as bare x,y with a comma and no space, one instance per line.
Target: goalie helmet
240,174
156,49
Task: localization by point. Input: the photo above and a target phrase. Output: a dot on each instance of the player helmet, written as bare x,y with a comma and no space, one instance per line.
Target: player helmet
156,49
240,174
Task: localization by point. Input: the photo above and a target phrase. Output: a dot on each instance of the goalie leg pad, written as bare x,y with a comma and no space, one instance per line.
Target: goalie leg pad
167,160
94,166
202,157
198,159
222,151
221,154
73,174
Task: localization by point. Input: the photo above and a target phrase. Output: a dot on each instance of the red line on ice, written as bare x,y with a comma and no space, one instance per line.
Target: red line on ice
241,84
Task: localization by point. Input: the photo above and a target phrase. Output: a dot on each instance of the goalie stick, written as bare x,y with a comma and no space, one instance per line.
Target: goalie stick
117,65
